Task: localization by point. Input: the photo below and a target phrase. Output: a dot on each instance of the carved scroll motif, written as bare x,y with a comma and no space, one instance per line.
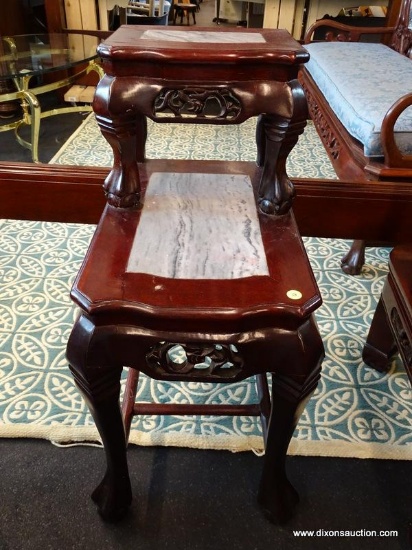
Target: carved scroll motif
223,361
402,40
327,134
216,103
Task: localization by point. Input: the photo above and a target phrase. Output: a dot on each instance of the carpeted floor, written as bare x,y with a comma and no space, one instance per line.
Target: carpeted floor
87,147
187,499
355,411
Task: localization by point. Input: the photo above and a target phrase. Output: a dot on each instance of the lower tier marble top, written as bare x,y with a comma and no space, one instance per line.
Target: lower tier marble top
198,226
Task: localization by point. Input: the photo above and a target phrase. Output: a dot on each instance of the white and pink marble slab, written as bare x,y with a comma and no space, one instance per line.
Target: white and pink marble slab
198,226
209,37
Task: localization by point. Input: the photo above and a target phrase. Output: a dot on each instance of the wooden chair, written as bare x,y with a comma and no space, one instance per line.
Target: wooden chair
204,255
183,9
391,329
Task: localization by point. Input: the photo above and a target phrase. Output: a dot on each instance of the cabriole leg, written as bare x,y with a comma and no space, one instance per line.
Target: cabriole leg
277,496
300,359
100,388
353,261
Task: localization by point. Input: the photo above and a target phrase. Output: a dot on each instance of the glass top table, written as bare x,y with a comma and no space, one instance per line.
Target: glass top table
34,54
24,57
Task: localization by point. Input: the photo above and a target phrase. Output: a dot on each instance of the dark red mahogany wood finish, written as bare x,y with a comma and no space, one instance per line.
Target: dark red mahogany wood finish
391,328
132,319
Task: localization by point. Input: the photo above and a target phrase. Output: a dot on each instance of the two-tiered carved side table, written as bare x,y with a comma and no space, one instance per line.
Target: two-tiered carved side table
204,256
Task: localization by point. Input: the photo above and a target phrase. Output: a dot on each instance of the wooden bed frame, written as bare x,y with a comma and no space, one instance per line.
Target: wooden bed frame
323,208
345,152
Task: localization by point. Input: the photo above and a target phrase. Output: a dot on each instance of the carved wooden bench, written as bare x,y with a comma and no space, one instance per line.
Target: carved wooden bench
360,97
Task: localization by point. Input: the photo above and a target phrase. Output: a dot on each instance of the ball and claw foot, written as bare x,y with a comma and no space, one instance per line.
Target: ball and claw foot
279,506
353,261
113,498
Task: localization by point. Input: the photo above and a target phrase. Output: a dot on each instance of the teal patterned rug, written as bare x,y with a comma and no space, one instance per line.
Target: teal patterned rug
355,411
87,146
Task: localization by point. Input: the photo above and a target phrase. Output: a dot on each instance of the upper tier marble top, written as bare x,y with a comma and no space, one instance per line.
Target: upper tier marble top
246,52
209,37
198,226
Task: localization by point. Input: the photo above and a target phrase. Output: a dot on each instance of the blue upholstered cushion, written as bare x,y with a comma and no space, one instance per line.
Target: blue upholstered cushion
361,81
